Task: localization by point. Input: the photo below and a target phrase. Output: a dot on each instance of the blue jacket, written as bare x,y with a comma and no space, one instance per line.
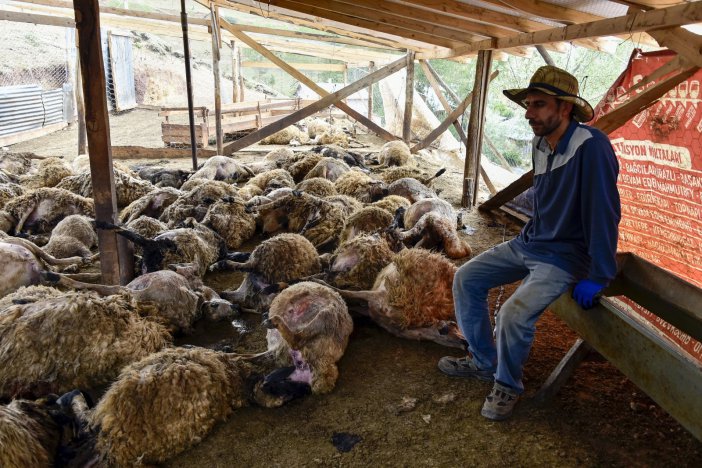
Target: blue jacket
576,204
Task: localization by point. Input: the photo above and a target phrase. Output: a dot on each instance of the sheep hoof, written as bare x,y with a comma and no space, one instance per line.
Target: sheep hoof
49,277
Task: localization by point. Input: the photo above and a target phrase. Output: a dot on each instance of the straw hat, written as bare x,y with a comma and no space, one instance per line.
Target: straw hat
555,82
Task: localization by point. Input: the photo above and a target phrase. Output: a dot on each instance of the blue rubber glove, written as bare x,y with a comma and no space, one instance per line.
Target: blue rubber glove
586,293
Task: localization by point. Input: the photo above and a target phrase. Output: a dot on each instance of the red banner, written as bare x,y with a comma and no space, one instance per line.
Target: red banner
660,175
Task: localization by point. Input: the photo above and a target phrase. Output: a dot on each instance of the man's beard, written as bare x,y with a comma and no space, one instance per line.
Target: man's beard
544,127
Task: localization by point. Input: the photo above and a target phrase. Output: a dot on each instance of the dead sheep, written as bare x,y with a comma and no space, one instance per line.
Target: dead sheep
73,236
23,262
6,178
196,202
328,168
412,298
75,340
300,164
334,136
360,186
277,178
281,259
285,137
314,324
223,168
392,174
316,127
48,173
271,161
248,191
164,177
127,188
38,211
147,226
391,203
434,231
411,189
176,300
337,152
367,220
153,204
27,294
317,186
229,218
348,205
81,164
395,153
194,243
427,205
8,191
17,164
355,264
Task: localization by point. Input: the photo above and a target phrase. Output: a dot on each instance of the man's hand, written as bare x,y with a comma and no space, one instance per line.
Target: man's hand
586,293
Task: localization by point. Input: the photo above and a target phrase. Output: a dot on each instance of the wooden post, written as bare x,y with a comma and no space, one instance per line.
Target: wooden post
475,129
371,69
242,88
409,98
188,82
80,106
235,72
545,55
116,258
215,34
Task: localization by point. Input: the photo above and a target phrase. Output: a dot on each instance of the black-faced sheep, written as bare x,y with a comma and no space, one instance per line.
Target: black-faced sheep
223,168
75,340
412,298
317,186
40,210
314,324
367,220
127,188
153,204
280,259
164,177
360,186
73,236
328,168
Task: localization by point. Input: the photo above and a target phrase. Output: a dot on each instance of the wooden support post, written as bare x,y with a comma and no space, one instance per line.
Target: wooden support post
315,107
563,371
240,82
409,98
371,69
215,33
235,72
475,129
545,55
188,82
80,106
346,74
116,258
503,161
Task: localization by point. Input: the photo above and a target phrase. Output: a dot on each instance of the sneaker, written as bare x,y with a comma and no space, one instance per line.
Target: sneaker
463,367
499,403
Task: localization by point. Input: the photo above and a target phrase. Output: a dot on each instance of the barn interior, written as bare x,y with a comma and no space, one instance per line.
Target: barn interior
587,402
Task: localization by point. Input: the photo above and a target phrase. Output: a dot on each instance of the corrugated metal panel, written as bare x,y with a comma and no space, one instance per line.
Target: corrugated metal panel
122,72
21,109
53,106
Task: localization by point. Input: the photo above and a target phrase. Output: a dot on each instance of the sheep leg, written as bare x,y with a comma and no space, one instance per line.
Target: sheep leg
369,296
23,219
445,335
63,280
39,253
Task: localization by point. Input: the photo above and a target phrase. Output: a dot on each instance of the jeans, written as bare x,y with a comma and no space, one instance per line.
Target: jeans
516,321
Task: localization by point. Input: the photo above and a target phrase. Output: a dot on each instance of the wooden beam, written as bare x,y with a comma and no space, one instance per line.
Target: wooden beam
303,79
451,118
236,72
409,99
563,371
336,67
546,10
313,108
475,129
678,15
219,136
505,195
37,19
371,69
683,42
114,254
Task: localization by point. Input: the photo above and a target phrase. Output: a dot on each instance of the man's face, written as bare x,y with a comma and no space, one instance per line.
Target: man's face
545,113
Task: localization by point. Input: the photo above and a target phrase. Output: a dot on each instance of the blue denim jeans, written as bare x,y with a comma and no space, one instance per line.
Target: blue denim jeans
516,321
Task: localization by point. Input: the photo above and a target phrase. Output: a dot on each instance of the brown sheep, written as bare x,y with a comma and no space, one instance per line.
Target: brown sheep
412,298
314,324
48,173
317,186
276,178
300,164
229,218
73,236
147,227
348,205
391,203
40,210
153,204
365,221
8,191
360,186
194,203
127,188
355,264
77,339
248,191
328,168
16,164
434,231
395,153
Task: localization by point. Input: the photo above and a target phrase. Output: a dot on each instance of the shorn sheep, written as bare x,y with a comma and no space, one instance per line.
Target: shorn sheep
412,298
314,324
435,231
72,340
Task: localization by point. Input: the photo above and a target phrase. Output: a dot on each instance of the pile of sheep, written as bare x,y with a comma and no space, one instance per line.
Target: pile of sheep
327,224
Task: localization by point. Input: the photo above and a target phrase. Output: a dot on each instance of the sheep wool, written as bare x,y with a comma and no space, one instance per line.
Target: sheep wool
273,179
229,218
395,153
391,203
73,236
366,220
283,136
357,262
360,186
49,172
317,186
28,435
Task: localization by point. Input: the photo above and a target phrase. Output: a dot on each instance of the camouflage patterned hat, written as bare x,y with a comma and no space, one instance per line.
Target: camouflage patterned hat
555,82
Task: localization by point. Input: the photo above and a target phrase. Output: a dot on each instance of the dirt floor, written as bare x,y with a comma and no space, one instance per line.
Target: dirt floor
401,411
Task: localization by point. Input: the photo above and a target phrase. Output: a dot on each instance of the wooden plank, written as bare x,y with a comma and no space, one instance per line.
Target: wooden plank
488,182
451,118
525,181
409,99
687,13
683,42
560,375
503,161
309,83
336,67
142,152
313,108
32,18
475,128
114,255
546,10
371,69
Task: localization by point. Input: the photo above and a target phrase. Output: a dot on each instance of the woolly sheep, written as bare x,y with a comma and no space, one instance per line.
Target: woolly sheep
360,186
392,174
223,168
328,168
348,205
391,203
317,186
334,136
27,294
48,173
299,165
284,136
81,163
8,191
276,178
228,218
152,204
366,220
16,164
73,236
78,339
355,264
395,153
127,188
40,210
195,202
316,127
314,324
248,191
412,298
147,226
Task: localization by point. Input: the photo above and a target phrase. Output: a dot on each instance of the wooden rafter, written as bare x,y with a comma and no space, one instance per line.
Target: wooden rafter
546,10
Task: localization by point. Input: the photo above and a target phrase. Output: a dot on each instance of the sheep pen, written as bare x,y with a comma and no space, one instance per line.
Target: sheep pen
390,394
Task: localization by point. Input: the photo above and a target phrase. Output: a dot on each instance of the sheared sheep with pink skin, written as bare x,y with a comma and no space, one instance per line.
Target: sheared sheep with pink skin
360,186
127,188
76,340
38,211
412,298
